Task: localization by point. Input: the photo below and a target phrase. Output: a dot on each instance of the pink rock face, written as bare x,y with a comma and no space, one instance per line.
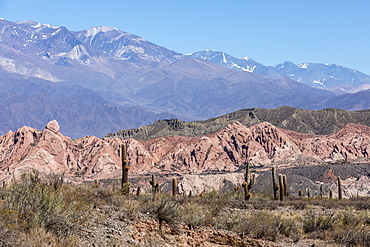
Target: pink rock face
91,158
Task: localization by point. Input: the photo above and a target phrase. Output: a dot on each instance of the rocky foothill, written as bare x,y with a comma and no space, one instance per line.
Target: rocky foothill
223,152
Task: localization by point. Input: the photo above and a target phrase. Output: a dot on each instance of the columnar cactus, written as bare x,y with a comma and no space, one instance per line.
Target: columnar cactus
308,192
174,186
285,183
125,186
248,182
281,184
154,185
275,186
96,183
321,192
340,193
300,193
330,194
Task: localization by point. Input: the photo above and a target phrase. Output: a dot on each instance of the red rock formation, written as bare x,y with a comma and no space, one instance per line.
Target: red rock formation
94,158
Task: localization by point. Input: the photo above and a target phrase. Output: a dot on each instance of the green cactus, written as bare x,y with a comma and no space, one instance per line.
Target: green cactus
321,192
340,193
275,186
154,184
300,193
174,186
248,182
285,184
125,186
330,194
281,184
138,191
308,192
96,183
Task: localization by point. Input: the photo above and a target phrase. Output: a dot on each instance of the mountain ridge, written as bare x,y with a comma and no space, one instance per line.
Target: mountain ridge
320,122
226,150
92,71
333,77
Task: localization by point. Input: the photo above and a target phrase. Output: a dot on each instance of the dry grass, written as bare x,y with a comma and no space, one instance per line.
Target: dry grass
43,212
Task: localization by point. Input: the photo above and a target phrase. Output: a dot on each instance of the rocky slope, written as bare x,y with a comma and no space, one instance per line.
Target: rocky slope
224,151
320,122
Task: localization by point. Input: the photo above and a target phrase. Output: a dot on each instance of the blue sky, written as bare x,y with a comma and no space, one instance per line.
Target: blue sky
268,31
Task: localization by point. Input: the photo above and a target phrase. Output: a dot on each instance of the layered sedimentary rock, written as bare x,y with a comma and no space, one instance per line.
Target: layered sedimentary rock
225,151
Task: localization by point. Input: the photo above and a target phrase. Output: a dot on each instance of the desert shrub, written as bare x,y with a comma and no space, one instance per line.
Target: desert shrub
349,217
34,204
165,210
262,224
231,220
315,220
128,208
289,227
55,180
193,214
359,236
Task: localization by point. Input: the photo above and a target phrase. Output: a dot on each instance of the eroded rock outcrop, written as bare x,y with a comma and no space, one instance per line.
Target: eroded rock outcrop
224,151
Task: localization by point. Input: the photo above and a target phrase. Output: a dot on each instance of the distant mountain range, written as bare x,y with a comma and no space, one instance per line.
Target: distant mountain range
101,80
335,78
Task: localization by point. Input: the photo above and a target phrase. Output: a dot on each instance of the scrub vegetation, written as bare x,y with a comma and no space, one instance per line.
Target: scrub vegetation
42,211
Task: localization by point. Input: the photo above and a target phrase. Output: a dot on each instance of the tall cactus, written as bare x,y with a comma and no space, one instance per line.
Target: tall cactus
154,185
275,186
285,183
125,186
281,184
308,192
340,193
174,186
248,182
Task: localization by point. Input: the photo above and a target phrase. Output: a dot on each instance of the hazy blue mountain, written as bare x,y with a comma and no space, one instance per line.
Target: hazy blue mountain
101,79
332,77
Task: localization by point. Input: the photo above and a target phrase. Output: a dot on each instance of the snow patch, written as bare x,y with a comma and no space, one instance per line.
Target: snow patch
37,25
92,31
320,84
139,40
249,68
27,70
224,58
303,65
124,49
245,58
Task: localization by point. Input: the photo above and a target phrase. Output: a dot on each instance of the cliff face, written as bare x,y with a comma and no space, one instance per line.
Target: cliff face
93,158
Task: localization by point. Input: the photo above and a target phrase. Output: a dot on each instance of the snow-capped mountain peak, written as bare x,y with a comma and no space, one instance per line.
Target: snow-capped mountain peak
225,60
35,24
92,31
